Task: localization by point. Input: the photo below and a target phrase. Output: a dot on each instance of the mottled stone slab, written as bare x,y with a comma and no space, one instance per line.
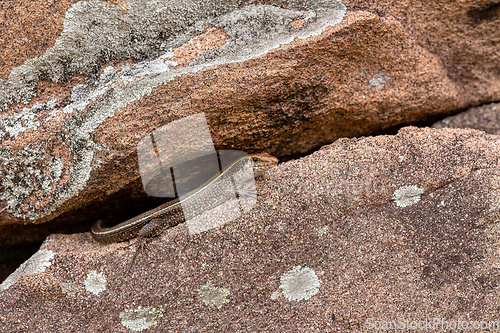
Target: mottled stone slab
361,232
285,79
485,118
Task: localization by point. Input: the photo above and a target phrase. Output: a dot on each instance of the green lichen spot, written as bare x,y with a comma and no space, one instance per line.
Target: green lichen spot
213,296
323,230
141,318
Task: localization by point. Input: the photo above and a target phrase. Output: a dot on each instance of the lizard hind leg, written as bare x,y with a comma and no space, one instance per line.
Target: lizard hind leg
149,230
140,245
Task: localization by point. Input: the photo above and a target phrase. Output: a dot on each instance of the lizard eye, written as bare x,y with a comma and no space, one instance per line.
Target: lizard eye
255,159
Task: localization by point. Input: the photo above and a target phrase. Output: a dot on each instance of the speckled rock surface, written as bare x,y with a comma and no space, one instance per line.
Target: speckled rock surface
360,232
485,118
78,97
29,28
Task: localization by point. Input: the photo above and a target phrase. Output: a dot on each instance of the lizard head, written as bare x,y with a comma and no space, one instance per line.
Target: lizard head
261,162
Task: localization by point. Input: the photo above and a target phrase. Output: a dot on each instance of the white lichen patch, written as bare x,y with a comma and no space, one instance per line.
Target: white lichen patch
378,80
95,282
276,294
256,29
323,230
67,287
140,318
213,296
24,120
299,284
407,195
36,264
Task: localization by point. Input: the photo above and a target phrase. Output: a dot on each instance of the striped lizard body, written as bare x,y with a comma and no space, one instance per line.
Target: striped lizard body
169,214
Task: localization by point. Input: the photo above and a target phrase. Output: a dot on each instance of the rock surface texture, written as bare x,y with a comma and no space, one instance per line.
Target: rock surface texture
485,118
363,230
76,99
357,234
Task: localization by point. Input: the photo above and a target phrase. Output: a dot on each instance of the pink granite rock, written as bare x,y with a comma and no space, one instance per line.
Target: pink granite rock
363,230
485,118
360,233
79,92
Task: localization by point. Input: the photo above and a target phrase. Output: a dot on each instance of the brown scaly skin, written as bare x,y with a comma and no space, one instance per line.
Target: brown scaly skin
170,213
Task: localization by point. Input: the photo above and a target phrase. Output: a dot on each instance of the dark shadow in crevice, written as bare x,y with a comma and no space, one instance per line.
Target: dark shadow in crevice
391,130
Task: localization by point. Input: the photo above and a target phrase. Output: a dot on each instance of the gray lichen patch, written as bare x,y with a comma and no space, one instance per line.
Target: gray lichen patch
213,296
32,183
95,282
378,80
257,29
27,178
281,225
95,32
407,195
299,284
141,318
36,264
